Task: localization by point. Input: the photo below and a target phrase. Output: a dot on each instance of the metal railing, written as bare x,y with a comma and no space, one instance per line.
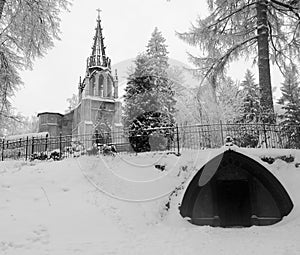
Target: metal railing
172,139
243,134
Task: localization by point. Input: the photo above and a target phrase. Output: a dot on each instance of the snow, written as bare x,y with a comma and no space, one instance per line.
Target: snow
117,205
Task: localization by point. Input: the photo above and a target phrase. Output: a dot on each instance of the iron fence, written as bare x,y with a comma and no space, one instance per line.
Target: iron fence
243,135
172,139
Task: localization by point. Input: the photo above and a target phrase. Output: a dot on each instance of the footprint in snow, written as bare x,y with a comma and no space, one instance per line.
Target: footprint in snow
65,189
39,235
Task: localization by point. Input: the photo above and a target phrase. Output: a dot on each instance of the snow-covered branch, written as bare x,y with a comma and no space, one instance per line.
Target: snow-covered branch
220,20
288,7
221,62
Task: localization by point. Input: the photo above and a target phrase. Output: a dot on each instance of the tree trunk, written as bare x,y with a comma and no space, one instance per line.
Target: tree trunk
2,3
266,98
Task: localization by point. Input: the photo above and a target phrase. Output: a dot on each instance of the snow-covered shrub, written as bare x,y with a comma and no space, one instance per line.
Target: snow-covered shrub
38,156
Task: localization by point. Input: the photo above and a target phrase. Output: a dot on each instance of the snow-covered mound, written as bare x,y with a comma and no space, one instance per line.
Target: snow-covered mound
128,204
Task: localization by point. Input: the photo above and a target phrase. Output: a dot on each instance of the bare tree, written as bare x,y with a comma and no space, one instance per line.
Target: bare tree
73,102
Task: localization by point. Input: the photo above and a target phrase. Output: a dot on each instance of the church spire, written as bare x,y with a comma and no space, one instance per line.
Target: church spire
98,57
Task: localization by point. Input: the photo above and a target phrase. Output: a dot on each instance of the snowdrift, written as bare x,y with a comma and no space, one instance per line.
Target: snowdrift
129,205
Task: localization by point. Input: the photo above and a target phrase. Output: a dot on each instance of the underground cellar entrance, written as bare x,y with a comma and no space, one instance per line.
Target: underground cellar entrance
233,202
234,190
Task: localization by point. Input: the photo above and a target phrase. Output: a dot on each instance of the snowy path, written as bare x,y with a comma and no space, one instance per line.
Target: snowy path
50,208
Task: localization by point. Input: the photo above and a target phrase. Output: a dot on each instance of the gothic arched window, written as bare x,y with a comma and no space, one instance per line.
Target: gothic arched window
109,87
100,85
92,86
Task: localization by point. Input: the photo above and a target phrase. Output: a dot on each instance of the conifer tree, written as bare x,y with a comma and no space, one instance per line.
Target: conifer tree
158,61
229,100
149,95
251,98
148,87
27,30
138,91
290,101
158,54
264,29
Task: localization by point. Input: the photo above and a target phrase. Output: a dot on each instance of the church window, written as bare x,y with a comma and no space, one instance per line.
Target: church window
100,85
92,86
109,87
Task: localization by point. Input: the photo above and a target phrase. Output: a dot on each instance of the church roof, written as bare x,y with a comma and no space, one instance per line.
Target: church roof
50,113
98,57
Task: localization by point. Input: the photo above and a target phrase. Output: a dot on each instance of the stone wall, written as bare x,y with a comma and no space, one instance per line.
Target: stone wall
50,122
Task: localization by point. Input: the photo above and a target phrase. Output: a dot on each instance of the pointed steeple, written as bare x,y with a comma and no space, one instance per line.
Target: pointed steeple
98,57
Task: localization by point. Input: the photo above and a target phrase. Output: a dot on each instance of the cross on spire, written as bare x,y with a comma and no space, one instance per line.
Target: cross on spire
98,56
98,10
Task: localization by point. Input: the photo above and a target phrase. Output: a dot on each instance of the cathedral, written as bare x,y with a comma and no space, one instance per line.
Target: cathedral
98,106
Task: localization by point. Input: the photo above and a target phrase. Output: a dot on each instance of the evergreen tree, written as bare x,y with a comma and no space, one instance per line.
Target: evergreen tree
138,88
149,95
290,101
251,98
229,100
27,30
158,61
265,29
148,87
158,54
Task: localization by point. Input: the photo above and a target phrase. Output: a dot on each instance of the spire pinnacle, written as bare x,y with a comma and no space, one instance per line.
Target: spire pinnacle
98,10
98,56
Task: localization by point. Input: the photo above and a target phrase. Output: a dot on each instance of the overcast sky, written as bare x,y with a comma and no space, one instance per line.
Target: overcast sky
127,27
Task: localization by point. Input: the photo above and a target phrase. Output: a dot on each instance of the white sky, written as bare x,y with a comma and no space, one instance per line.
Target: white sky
127,27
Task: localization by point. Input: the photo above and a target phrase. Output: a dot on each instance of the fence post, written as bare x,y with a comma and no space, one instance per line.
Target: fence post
178,145
3,144
20,148
26,148
60,145
32,146
221,129
265,135
46,143
297,137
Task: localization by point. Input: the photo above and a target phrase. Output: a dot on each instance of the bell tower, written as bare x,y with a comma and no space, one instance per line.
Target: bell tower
99,108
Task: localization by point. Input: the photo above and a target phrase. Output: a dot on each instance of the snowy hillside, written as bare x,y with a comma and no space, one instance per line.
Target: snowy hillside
122,205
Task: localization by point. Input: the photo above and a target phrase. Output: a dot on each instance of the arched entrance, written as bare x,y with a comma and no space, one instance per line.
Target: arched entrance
233,190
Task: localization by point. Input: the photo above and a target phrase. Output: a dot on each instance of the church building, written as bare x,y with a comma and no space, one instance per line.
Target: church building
98,105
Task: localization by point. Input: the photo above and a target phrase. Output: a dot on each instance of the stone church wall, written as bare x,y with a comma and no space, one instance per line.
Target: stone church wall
50,122
67,123
98,107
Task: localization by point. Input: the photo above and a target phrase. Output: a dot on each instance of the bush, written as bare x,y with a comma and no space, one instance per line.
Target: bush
151,131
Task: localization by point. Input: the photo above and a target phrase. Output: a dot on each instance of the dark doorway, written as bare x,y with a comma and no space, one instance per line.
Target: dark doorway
236,192
234,206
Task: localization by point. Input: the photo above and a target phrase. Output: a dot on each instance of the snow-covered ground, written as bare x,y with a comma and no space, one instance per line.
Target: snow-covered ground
117,205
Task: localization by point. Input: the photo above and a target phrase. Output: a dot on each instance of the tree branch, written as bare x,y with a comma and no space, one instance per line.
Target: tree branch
2,3
222,60
220,20
15,118
284,11
275,48
287,6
